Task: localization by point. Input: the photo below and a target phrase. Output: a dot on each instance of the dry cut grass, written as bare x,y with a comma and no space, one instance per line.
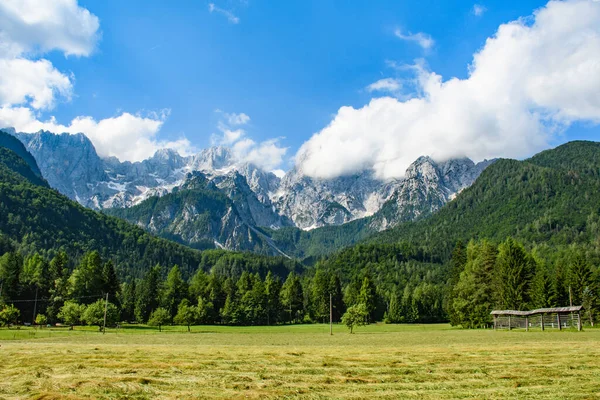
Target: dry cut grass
386,362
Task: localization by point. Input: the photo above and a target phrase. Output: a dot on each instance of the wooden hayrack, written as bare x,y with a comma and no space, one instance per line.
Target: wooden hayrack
543,317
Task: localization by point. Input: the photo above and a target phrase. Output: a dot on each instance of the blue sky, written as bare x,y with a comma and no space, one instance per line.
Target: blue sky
288,65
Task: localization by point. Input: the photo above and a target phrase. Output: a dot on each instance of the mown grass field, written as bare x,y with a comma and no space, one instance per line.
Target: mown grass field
379,361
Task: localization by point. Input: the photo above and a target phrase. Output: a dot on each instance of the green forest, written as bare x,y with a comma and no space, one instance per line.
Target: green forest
526,234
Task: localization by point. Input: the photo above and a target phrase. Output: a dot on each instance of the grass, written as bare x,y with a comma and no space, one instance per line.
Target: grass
379,361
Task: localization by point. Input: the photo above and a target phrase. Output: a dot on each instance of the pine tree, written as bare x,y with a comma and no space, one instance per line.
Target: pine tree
394,312
580,278
127,300
543,290
292,297
272,292
319,296
473,293
368,297
11,267
147,296
59,285
337,298
514,270
175,290
111,283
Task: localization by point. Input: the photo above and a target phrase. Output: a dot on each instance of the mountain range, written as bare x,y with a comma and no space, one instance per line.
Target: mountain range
548,201
247,204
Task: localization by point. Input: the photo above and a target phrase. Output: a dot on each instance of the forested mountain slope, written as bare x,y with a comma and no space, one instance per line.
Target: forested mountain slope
200,215
35,218
552,198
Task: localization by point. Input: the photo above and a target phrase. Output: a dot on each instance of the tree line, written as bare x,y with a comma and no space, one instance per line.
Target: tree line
485,276
395,283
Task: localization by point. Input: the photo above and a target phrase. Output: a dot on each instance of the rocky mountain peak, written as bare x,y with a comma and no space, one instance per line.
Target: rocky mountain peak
213,158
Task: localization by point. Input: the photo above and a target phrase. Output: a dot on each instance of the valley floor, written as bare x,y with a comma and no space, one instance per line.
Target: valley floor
379,361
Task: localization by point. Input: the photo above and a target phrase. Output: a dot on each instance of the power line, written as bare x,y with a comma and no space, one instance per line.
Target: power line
46,300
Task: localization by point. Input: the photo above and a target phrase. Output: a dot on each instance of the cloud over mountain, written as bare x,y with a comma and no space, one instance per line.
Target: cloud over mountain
533,78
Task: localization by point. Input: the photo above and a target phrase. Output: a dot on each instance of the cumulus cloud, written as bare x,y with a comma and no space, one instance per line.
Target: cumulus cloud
36,82
125,136
478,10
422,39
267,155
41,26
390,85
532,79
29,28
228,14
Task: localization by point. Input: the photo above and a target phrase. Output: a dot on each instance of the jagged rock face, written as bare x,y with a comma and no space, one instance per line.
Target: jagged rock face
427,186
311,203
254,211
71,165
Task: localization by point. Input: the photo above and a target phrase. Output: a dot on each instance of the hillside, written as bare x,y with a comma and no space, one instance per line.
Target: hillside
35,218
200,215
552,198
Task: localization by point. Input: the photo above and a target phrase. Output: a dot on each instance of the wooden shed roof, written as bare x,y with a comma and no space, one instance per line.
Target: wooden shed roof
554,310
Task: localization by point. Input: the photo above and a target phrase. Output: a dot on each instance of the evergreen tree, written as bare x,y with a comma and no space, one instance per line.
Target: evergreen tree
11,266
580,278
514,270
175,290
368,297
561,284
147,296
457,265
204,311
272,292
199,285
543,293
111,283
319,296
127,300
473,294
394,312
292,297
59,289
337,299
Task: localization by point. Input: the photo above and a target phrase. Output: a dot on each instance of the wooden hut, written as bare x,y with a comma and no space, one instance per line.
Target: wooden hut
556,317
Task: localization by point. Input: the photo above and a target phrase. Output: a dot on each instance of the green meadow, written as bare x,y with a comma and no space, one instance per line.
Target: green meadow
301,361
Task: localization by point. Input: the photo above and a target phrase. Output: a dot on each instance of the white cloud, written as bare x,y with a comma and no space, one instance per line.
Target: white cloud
267,155
478,10
230,16
35,82
125,136
32,27
42,25
237,119
390,85
535,77
422,39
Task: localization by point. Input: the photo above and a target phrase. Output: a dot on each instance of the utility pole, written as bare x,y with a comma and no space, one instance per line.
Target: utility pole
35,305
105,309
330,315
570,296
